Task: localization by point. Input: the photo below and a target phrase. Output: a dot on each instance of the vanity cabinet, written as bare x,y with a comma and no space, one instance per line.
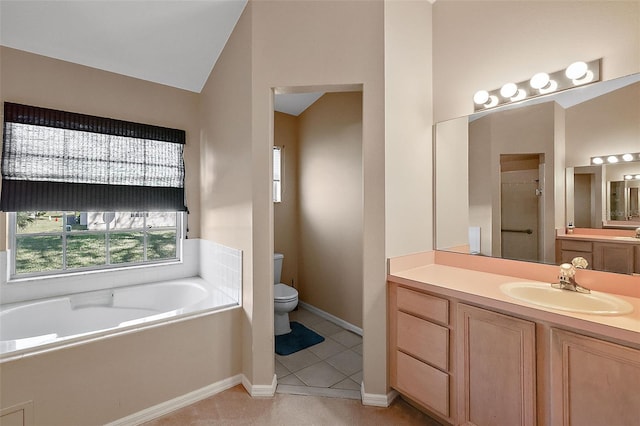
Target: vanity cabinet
470,365
495,373
593,382
420,357
569,249
496,368
613,257
608,256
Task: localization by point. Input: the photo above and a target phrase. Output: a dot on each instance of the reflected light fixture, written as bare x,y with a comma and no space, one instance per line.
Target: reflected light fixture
616,158
631,177
576,74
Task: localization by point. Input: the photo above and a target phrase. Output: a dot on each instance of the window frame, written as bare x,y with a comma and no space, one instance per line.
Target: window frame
280,150
13,235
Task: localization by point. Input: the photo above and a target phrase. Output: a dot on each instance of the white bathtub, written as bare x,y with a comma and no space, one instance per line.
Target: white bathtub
29,326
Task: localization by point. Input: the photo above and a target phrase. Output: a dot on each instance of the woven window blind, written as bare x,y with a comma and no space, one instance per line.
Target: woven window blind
56,160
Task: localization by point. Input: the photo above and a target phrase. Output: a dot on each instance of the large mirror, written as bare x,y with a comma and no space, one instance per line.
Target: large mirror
510,180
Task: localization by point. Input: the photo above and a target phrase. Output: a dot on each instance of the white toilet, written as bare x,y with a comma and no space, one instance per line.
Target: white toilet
285,298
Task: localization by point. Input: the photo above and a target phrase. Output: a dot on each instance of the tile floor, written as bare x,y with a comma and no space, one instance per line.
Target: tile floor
331,368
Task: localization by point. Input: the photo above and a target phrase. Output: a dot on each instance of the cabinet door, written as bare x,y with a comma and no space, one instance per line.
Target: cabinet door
612,257
496,361
593,382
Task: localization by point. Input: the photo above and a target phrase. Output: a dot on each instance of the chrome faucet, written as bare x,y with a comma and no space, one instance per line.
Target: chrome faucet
567,274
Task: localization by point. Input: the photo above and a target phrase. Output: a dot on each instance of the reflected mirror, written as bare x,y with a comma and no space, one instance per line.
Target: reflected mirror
511,182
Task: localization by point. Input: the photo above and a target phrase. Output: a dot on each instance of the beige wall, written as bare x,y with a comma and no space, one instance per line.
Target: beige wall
484,44
408,115
452,183
36,80
608,124
330,197
318,44
285,213
226,174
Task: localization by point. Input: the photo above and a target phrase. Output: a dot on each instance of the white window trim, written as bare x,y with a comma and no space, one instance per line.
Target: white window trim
278,198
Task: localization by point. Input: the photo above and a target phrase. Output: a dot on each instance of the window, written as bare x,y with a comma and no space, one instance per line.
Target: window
277,174
49,242
87,192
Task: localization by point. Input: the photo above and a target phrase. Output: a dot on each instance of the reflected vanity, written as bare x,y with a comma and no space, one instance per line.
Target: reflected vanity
523,173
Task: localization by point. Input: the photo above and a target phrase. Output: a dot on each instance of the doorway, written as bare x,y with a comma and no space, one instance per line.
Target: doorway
318,227
521,205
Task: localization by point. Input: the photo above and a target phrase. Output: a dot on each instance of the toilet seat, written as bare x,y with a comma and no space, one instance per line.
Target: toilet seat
284,293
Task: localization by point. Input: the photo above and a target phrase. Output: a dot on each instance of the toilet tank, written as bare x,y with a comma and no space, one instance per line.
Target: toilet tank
277,267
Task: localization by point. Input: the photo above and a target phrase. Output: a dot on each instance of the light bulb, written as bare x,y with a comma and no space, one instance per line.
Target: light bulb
587,78
539,80
628,177
627,157
493,101
612,159
597,160
519,96
576,70
549,88
508,90
637,177
481,97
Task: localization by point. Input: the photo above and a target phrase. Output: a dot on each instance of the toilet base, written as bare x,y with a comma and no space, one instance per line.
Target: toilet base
281,323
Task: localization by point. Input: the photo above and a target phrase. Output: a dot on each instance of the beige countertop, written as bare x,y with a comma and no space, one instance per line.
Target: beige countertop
596,237
483,289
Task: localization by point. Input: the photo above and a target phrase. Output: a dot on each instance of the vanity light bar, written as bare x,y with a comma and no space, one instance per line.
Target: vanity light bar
576,74
617,158
631,177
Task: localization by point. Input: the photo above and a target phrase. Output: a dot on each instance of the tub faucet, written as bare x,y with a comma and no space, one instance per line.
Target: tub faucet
567,274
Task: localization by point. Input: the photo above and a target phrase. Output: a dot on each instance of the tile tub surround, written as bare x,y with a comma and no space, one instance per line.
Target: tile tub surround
477,280
331,368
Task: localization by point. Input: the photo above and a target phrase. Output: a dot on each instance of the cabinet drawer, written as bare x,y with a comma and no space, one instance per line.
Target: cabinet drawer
424,340
571,245
427,385
423,305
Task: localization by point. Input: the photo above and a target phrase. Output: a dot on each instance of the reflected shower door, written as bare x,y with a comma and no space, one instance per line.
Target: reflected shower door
519,208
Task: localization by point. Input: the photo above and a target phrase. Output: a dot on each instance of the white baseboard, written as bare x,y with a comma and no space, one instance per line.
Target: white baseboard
331,318
377,400
257,391
166,407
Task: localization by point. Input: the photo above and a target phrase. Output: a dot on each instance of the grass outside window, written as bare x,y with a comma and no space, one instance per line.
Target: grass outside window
54,242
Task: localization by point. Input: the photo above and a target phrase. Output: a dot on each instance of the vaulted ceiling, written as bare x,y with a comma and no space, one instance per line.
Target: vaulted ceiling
175,43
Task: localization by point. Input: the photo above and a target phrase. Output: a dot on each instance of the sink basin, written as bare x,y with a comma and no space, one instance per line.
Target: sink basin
540,294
